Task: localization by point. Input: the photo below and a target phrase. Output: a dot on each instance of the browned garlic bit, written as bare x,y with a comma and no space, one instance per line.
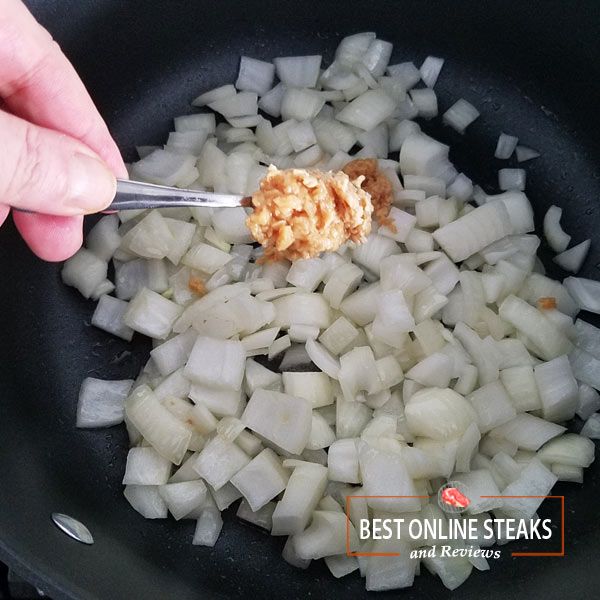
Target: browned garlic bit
300,213
378,186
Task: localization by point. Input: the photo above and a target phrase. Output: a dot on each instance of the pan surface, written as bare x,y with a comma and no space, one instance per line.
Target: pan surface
531,68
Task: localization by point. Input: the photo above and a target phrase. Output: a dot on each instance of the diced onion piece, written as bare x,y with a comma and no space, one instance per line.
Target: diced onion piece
520,384
184,497
557,388
314,387
430,70
196,122
590,429
213,95
262,479
84,271
524,153
216,363
298,71
433,371
377,56
506,146
460,115
146,500
568,449
573,259
278,346
527,431
302,136
586,367
301,104
163,167
549,341
341,283
321,357
151,314
368,110
338,336
386,478
511,179
301,309
342,461
304,490
101,403
161,429
535,481
255,75
406,72
282,419
585,292
240,105
326,536
438,413
108,316
425,101
555,236
219,461
474,231
492,405
208,527
206,258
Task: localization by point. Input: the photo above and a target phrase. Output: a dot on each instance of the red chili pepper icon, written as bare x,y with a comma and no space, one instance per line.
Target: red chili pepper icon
453,497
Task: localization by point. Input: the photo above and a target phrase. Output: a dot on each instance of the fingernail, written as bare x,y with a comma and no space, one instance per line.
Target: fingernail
92,185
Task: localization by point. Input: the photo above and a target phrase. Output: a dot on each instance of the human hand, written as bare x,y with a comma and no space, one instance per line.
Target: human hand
57,156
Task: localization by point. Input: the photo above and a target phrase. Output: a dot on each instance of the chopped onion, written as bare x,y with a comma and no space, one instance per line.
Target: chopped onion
219,93
298,71
573,259
590,429
453,413
377,57
282,419
109,314
84,271
511,179
406,72
557,388
101,403
460,115
527,431
146,500
240,105
425,102
474,231
165,432
585,292
271,101
151,314
555,236
430,70
506,146
368,110
255,75
524,153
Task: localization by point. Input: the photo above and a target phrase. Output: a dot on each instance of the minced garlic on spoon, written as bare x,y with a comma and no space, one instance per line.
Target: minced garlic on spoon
299,213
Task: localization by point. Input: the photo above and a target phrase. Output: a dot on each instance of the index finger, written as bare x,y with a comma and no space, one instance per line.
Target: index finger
39,84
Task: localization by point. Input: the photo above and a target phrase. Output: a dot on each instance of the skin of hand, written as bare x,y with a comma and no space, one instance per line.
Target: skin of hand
57,159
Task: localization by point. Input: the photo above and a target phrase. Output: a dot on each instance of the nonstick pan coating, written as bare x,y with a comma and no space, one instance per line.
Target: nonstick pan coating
532,69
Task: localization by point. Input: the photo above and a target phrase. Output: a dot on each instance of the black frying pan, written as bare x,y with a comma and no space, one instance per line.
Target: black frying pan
532,68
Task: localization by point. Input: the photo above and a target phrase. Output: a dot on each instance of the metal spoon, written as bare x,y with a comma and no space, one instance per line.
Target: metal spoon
135,195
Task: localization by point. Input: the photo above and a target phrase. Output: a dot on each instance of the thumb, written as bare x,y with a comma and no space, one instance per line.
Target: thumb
45,171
